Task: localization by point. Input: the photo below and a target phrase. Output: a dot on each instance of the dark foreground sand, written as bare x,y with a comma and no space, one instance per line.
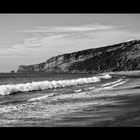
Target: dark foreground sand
128,112
127,115
125,112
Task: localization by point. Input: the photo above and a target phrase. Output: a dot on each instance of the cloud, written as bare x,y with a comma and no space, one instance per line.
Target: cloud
47,35
48,39
52,41
6,47
69,29
12,55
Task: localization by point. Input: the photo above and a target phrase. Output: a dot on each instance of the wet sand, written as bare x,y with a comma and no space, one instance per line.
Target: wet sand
125,112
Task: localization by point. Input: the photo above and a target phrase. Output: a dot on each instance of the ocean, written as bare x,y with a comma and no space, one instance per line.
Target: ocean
70,100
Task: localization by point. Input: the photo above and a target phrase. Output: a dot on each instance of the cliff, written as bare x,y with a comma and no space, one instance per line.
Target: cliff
124,56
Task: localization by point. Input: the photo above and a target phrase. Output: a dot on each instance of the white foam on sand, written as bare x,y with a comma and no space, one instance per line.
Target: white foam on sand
78,90
111,86
111,83
41,97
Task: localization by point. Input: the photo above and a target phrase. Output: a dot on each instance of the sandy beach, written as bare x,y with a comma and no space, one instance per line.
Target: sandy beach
112,102
124,112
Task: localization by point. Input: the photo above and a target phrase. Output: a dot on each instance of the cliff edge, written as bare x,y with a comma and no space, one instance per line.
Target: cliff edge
124,56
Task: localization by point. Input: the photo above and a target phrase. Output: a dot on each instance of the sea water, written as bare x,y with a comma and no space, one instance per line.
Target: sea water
49,100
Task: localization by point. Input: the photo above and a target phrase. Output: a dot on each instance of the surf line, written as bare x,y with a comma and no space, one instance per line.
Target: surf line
34,86
112,86
111,83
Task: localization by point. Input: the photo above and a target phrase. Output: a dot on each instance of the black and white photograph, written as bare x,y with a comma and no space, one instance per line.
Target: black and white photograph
70,70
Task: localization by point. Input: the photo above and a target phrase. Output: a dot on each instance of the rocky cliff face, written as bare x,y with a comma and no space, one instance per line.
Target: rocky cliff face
119,57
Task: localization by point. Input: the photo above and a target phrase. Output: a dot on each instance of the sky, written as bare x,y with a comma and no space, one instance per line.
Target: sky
33,38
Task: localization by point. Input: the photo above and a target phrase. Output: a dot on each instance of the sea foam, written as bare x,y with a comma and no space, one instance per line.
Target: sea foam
13,88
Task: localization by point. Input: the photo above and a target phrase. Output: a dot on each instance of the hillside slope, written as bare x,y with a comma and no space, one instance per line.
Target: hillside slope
124,56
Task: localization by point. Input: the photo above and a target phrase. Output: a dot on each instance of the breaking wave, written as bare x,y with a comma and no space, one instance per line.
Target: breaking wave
9,89
82,94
